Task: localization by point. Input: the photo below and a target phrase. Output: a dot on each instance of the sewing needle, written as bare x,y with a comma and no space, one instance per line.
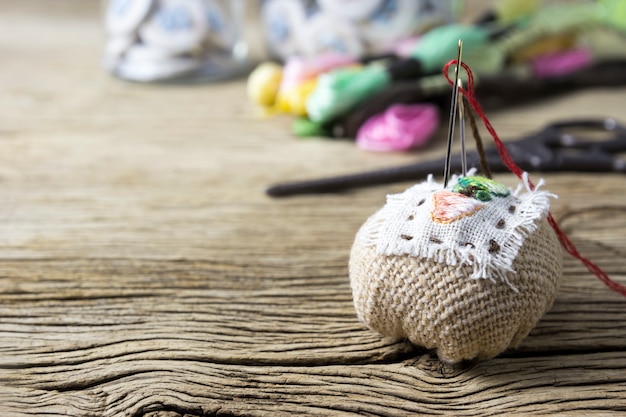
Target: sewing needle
462,130
453,109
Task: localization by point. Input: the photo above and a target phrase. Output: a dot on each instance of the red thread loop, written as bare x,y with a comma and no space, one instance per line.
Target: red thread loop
512,166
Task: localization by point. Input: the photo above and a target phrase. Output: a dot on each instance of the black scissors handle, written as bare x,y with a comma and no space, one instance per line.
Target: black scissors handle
364,179
401,173
549,150
578,152
556,134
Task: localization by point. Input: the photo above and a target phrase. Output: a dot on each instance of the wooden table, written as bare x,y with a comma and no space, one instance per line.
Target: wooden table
143,271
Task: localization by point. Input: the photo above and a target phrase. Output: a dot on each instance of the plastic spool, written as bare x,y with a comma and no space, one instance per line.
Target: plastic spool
353,10
398,19
147,53
219,66
282,20
115,48
222,33
124,16
434,13
170,68
393,20
148,64
178,26
324,33
175,39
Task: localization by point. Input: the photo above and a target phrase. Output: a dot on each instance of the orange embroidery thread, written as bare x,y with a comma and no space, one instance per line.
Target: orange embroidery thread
450,207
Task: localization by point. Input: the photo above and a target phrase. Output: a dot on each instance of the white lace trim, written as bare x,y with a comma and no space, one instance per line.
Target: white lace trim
488,240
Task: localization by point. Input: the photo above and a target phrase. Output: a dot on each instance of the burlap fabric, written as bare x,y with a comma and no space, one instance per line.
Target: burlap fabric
440,307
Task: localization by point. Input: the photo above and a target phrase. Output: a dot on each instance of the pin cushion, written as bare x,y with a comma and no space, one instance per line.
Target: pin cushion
467,270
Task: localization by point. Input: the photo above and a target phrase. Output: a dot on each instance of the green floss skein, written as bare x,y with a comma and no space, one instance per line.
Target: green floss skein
605,43
440,45
485,60
338,91
614,13
552,20
556,19
306,128
509,11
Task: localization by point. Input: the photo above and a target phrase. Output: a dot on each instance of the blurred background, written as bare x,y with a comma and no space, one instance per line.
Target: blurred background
368,69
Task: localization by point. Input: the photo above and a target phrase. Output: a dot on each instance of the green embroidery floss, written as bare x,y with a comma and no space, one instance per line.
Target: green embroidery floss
339,91
550,21
485,61
306,128
509,11
480,188
439,44
614,13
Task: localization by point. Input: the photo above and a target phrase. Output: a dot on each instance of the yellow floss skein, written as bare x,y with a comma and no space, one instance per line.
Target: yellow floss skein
511,10
605,43
264,83
294,100
549,44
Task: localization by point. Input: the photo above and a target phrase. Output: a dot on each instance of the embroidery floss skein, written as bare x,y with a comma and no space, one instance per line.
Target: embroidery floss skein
293,76
566,72
263,83
294,101
580,18
399,128
551,65
507,11
339,91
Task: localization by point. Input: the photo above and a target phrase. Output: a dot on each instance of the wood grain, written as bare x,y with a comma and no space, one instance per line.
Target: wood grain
143,272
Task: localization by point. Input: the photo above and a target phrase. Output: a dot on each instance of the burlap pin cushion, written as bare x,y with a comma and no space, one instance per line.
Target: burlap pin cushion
467,271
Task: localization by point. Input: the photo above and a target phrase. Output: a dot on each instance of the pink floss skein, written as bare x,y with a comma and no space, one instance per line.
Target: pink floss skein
399,128
405,47
297,70
561,63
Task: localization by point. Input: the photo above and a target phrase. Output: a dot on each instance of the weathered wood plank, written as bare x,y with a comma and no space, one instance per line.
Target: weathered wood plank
506,386
80,345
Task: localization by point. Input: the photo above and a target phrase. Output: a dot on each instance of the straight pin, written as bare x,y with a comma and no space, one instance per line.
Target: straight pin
462,130
452,119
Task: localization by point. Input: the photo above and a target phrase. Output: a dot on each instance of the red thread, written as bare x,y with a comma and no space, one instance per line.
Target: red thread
512,166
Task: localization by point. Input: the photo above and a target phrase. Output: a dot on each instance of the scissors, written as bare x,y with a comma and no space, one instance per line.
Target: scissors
552,149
